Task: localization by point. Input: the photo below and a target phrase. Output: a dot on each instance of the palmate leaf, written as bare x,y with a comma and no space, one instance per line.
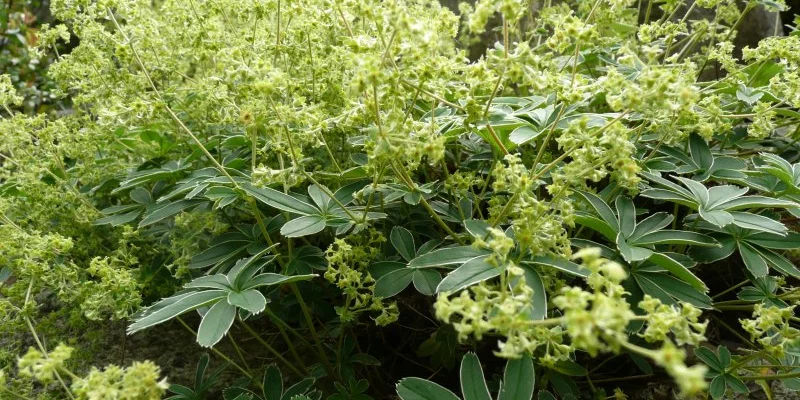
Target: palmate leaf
518,383
668,236
393,277
636,241
758,223
718,204
169,170
669,289
779,263
752,260
778,167
597,225
224,293
161,212
561,265
602,209
701,162
477,228
755,248
245,269
120,218
632,252
268,279
217,281
224,250
627,215
710,254
539,301
700,152
653,223
771,241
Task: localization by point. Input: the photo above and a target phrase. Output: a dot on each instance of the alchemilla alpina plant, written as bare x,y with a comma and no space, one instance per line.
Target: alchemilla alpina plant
607,196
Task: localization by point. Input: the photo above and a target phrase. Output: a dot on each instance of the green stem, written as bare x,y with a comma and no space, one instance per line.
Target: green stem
621,379
39,342
770,377
733,331
744,360
404,176
730,289
171,113
271,349
497,139
239,353
219,353
310,322
19,396
288,340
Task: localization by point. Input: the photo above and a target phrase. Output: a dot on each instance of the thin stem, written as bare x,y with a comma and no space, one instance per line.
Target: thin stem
497,139
502,73
166,106
432,95
239,353
307,315
550,132
733,331
769,377
402,174
289,343
219,353
19,396
730,289
270,349
624,378
39,342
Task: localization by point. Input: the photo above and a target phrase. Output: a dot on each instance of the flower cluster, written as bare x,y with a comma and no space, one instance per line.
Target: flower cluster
771,326
348,260
140,381
44,367
596,320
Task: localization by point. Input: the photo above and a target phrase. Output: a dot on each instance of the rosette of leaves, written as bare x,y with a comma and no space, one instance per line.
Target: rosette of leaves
220,297
700,161
272,388
320,209
720,205
760,251
518,383
720,373
392,277
467,266
765,291
779,177
202,383
640,241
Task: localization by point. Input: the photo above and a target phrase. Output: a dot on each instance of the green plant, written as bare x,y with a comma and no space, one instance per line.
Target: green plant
517,383
578,201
